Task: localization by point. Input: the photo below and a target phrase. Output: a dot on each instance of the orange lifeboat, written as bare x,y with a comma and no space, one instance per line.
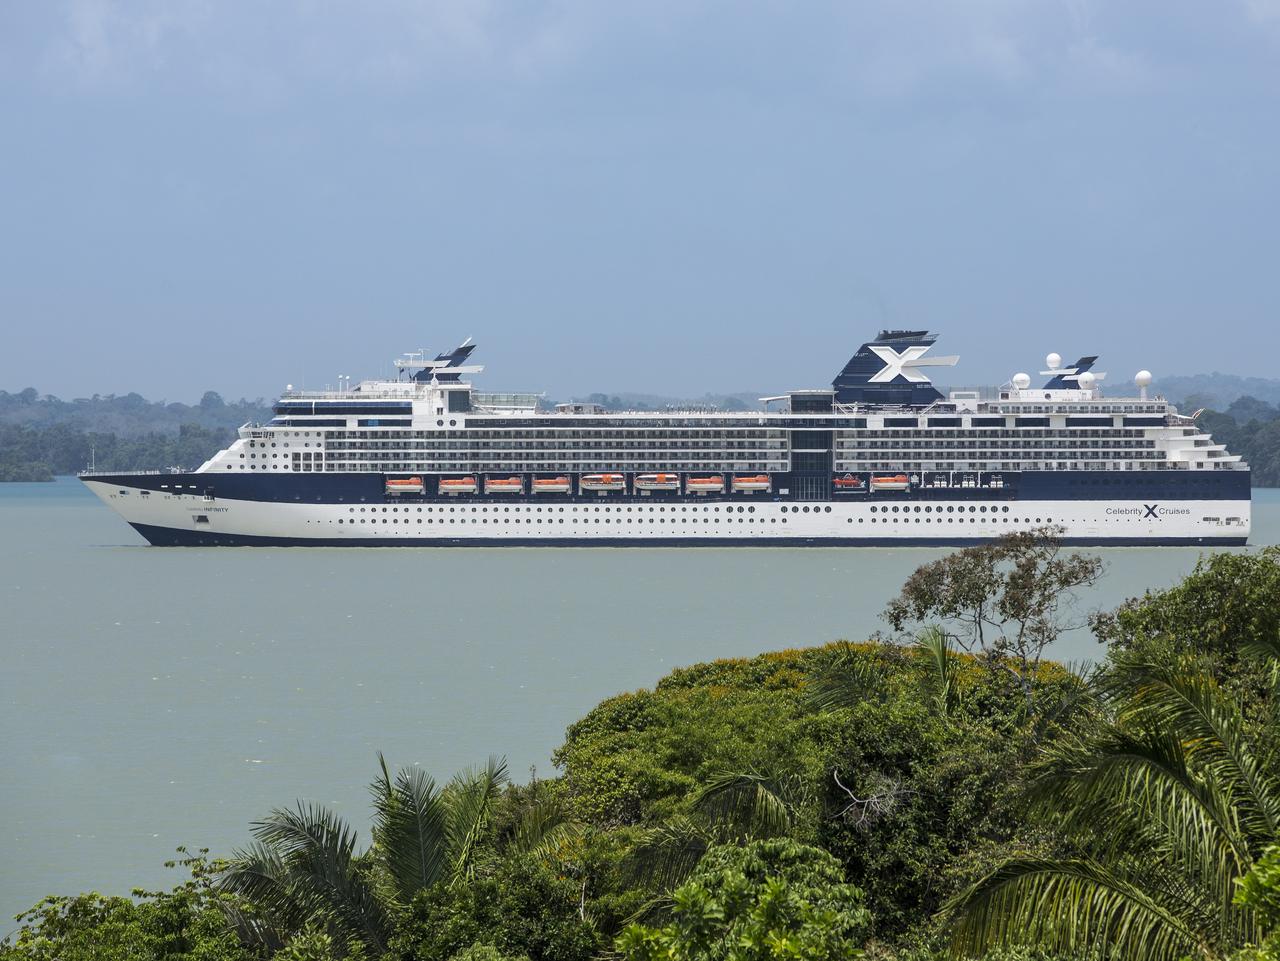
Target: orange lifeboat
657,482
849,482
551,485
751,482
457,485
404,485
504,485
890,482
705,485
603,483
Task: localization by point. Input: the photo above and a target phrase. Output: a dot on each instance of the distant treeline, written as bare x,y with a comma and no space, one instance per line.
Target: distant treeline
42,435
625,402
1251,428
38,454
128,415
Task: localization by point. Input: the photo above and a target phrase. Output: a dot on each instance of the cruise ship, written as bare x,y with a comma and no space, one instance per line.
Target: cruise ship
880,457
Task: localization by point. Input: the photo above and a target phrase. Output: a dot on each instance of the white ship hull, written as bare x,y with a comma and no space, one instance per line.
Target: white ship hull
191,519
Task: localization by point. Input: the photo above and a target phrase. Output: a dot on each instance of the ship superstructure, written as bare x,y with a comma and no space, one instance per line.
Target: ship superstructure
879,457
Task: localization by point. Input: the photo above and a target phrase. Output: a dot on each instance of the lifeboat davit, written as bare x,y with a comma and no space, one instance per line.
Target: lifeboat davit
705,485
849,482
751,482
890,482
551,485
504,485
404,485
657,482
457,485
603,482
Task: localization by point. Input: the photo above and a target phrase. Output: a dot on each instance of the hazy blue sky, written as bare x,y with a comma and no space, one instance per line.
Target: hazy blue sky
669,196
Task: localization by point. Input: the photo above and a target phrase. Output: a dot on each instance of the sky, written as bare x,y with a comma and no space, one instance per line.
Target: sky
667,196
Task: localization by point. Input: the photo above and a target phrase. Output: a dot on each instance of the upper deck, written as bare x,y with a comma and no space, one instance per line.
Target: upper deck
881,414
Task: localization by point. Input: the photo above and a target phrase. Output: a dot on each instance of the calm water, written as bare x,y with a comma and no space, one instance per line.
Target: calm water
155,697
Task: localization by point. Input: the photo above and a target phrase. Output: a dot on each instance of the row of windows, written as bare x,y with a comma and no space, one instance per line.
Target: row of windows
844,456
663,520
571,520
992,465
683,509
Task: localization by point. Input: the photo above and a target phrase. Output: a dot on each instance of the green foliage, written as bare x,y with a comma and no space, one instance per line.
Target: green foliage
1189,794
304,873
910,765
1250,428
1008,600
1259,892
423,835
742,807
639,758
1222,613
189,923
767,900
518,906
44,436
31,454
486,952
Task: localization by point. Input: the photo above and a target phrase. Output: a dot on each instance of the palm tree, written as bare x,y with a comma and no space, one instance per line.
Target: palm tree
303,870
852,676
1168,802
734,807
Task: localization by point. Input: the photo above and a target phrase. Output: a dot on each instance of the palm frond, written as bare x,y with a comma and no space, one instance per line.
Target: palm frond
1266,651
261,878
846,681
940,678
666,854
470,799
312,854
1265,648
1071,906
1213,732
1141,787
544,828
409,830
746,801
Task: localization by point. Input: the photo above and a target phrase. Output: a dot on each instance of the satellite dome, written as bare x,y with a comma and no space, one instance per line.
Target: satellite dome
1054,361
1143,378
1087,381
1022,381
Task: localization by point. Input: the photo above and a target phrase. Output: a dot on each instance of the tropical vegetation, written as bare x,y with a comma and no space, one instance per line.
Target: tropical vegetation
943,790
43,435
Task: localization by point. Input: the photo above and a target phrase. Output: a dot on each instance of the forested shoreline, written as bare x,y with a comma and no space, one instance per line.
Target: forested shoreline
943,790
42,436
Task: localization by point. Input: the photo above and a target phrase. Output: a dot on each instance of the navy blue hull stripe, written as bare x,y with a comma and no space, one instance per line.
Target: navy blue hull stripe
369,488
173,537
